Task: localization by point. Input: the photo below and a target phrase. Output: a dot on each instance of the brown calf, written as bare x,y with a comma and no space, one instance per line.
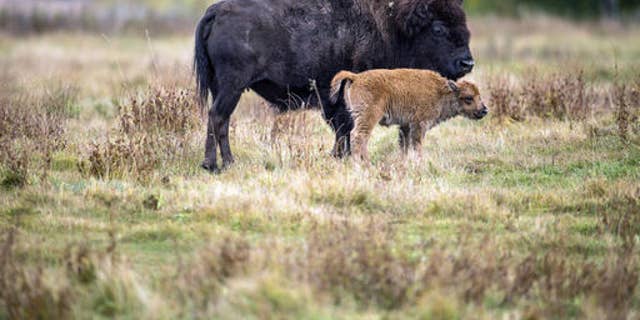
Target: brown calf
417,100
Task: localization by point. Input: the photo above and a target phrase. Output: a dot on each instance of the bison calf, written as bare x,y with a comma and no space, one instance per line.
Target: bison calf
417,100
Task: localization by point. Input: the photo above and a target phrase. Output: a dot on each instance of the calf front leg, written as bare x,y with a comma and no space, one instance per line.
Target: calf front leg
417,133
405,138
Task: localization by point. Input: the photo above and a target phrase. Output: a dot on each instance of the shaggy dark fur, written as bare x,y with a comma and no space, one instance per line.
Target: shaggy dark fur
289,50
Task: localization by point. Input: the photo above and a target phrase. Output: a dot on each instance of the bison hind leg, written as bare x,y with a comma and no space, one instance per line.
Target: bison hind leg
222,115
218,130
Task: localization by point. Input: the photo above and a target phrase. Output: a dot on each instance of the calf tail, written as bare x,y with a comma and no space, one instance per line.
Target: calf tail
338,85
202,66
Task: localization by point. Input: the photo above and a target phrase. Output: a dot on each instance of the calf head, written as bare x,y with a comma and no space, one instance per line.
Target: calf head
437,35
468,100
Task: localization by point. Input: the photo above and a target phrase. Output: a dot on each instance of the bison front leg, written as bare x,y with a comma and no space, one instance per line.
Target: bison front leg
340,120
342,145
210,149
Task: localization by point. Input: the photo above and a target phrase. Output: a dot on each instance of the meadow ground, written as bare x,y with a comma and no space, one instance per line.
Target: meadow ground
531,213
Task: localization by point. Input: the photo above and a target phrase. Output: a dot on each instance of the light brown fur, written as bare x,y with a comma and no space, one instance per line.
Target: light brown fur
417,100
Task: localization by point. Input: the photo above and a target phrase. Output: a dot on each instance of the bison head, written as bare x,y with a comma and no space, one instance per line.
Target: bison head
437,36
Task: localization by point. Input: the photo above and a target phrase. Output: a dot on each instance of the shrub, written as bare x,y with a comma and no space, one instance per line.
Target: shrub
620,213
25,292
160,111
362,262
626,100
623,110
117,157
564,96
359,262
201,282
32,129
151,131
505,101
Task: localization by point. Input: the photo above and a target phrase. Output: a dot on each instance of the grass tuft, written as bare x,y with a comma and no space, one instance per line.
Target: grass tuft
152,131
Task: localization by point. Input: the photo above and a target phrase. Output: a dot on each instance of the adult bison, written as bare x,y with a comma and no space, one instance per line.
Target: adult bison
287,51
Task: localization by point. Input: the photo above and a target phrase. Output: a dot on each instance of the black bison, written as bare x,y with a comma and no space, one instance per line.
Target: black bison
288,51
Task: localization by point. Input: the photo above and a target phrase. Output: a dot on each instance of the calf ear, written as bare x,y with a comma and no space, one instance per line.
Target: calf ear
454,87
413,16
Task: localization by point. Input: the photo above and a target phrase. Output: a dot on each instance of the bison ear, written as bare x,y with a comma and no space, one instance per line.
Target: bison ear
413,16
454,87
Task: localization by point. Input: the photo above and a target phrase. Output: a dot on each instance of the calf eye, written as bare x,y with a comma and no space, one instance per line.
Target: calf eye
439,29
468,100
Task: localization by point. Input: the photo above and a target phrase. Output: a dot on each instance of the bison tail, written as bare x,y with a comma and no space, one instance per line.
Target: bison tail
338,84
202,66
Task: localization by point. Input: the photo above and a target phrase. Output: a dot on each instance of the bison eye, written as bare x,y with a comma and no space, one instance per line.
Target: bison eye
468,100
439,30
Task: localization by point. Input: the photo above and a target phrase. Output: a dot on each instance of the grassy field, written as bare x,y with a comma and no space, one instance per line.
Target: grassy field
531,213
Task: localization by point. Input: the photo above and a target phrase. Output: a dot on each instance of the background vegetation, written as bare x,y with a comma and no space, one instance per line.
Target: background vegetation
584,9
170,16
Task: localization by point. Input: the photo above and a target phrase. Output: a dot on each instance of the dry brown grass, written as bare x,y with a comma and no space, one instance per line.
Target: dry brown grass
623,215
25,292
563,96
626,100
355,262
32,129
343,262
529,219
151,131
202,281
505,101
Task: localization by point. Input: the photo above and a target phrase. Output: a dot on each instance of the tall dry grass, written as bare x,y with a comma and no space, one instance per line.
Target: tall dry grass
32,129
529,220
152,131
563,96
626,99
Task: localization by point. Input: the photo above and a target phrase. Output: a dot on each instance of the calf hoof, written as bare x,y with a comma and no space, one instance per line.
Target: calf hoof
211,168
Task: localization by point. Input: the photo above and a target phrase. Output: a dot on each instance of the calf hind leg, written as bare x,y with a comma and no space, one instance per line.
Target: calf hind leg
363,127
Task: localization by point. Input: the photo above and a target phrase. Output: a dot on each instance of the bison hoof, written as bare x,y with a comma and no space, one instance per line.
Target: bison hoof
340,154
211,168
227,163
